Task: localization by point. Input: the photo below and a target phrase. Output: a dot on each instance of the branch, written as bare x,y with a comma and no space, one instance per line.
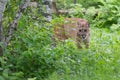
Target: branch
13,25
2,8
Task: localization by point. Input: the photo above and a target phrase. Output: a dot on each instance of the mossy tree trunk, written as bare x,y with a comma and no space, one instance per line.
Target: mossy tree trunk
4,40
2,8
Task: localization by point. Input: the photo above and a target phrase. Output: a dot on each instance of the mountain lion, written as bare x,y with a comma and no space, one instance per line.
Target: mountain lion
76,29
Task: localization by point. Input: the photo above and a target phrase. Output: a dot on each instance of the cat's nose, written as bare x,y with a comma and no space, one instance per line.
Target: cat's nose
83,36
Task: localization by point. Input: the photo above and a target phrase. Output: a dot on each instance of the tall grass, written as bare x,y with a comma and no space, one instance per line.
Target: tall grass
29,55
100,62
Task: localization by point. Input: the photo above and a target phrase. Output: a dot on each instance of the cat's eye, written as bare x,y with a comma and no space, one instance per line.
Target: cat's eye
80,30
85,30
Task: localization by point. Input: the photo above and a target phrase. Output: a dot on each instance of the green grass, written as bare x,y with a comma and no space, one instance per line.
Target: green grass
100,62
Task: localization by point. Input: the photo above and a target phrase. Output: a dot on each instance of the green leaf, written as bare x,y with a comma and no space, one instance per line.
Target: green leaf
2,78
32,78
5,73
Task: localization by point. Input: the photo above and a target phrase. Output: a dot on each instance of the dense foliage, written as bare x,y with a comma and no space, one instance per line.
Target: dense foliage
31,56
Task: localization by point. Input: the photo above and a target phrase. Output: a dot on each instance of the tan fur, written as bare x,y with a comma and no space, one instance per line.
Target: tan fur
76,29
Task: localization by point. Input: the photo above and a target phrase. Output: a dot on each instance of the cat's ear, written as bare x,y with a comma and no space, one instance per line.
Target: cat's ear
88,24
78,24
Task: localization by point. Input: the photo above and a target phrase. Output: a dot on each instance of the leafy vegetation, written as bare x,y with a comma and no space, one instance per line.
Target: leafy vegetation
29,55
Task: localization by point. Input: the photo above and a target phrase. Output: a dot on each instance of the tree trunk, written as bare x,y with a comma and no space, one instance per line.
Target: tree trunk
13,25
54,7
48,5
75,1
2,8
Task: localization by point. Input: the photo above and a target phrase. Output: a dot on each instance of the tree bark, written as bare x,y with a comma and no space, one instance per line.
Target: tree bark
54,7
13,25
2,8
48,5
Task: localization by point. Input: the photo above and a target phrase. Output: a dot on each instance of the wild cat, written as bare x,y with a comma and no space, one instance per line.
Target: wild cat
75,28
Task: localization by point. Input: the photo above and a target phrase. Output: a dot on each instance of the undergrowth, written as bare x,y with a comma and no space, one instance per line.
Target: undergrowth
29,55
99,62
